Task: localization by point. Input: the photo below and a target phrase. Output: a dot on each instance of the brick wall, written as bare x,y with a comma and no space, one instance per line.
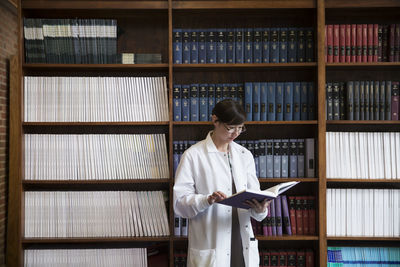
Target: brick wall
8,47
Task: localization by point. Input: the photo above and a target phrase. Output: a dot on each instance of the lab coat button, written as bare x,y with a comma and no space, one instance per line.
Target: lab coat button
247,226
247,248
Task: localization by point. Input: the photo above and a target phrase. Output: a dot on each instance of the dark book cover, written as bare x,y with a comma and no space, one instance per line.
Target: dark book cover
292,214
194,46
285,216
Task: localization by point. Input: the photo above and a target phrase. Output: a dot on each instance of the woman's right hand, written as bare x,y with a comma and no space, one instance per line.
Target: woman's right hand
216,197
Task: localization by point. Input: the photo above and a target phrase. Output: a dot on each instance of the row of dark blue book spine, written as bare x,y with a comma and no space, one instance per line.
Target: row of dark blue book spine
274,158
243,45
362,100
262,101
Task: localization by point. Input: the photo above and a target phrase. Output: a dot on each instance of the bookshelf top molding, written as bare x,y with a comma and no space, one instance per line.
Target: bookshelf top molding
264,4
94,5
361,3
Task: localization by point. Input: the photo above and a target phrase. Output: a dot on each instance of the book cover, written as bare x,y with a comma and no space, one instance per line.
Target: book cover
186,40
211,99
342,43
296,101
277,158
230,45
271,101
274,48
388,102
256,101
278,215
238,199
257,45
311,100
262,158
292,214
248,45
309,45
382,100
211,46
185,102
177,99
304,101
293,158
285,216
239,49
370,42
353,46
364,47
194,102
279,101
283,50
194,47
292,45
221,46
288,101
285,158
348,43
300,157
350,99
177,42
310,158
270,158
301,45
202,49
203,102
263,101
335,43
248,100
265,45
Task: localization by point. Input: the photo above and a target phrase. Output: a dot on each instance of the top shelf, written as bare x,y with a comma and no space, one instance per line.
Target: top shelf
264,4
157,5
94,5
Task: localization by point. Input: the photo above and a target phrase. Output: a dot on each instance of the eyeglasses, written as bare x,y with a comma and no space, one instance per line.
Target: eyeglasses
231,130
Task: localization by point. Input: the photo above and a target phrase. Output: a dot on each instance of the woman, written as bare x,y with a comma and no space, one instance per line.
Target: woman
209,171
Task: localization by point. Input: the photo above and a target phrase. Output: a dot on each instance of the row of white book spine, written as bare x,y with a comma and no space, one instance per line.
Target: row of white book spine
95,99
95,156
363,212
121,257
95,214
363,155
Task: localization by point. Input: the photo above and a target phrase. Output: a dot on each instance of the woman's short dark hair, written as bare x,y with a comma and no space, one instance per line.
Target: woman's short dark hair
230,112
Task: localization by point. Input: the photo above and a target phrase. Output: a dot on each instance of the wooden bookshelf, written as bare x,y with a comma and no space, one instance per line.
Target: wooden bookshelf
147,27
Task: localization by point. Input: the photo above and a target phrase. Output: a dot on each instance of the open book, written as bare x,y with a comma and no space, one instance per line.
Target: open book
238,199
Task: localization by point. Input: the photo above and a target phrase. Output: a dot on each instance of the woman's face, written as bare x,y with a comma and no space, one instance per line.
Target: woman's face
226,132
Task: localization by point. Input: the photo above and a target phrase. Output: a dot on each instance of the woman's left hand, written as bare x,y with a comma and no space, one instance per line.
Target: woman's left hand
259,207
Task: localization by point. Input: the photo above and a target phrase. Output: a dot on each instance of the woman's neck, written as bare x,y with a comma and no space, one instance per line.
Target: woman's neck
219,144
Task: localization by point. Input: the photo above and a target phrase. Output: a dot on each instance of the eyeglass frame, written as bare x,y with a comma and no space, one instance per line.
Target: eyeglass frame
231,130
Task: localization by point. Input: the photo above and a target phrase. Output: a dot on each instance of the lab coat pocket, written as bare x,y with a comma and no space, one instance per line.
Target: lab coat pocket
202,258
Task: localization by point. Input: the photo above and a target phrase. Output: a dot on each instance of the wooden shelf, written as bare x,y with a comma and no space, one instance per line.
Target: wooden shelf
93,240
269,238
283,180
361,3
237,66
94,5
362,122
363,238
311,122
45,66
287,238
141,123
102,185
337,180
266,4
363,65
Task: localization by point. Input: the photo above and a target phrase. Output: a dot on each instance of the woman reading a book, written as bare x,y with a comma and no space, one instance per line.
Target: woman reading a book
208,172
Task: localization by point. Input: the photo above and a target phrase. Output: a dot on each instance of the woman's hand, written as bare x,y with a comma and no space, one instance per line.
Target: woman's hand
259,207
216,197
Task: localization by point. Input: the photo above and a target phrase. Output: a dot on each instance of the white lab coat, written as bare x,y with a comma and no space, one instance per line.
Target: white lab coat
203,170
